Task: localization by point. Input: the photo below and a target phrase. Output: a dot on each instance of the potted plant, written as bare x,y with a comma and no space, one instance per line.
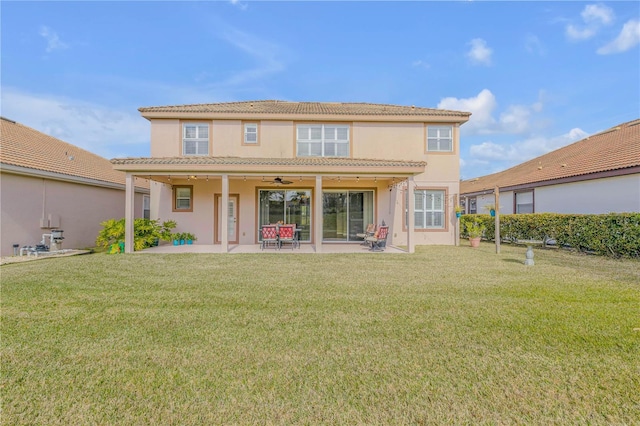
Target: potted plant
189,237
175,237
474,231
458,209
491,208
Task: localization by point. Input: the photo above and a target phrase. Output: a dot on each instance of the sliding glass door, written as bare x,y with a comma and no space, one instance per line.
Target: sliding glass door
345,214
288,206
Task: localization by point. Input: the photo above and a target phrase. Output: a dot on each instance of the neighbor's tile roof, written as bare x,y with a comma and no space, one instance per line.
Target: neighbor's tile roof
613,149
302,108
26,147
246,161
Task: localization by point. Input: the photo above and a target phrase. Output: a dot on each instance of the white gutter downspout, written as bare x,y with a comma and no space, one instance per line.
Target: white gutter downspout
128,213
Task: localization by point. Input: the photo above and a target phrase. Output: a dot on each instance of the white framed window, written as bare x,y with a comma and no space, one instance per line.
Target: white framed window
323,140
440,138
195,139
183,198
524,202
251,133
146,206
429,209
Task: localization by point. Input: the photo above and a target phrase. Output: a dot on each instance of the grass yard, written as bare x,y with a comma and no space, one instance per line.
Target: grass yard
449,335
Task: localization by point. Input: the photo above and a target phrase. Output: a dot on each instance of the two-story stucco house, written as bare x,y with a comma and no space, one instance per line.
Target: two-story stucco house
330,168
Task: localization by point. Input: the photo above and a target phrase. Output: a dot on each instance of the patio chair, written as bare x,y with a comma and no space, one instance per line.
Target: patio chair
371,229
378,240
269,236
286,235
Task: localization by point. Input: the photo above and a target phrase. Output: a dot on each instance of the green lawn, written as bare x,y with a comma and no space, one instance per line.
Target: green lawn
448,335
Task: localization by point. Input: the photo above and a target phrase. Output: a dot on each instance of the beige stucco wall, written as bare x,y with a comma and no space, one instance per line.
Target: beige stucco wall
165,138
382,140
80,209
388,140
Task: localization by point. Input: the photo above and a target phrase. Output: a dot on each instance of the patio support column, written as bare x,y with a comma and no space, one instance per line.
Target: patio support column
128,212
411,243
317,214
224,214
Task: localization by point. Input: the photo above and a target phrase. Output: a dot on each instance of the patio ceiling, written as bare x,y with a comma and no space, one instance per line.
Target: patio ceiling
201,167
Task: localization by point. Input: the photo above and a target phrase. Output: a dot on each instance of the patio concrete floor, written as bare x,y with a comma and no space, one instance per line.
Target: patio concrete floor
255,248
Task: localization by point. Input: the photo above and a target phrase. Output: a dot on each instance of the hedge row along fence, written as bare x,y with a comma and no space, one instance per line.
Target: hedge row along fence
615,235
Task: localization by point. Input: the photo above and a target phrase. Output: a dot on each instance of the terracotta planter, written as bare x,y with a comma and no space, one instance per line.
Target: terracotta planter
475,242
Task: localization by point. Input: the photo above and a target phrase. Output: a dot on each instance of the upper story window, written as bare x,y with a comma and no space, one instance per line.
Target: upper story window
439,138
195,139
323,140
250,133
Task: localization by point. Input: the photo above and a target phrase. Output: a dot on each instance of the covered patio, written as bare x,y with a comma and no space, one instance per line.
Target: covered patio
246,181
255,248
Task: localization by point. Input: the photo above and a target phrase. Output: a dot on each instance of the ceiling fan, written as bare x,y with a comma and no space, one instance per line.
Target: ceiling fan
279,181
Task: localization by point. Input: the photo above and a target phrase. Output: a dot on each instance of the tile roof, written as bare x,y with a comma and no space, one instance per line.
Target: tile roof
305,108
613,149
25,147
244,161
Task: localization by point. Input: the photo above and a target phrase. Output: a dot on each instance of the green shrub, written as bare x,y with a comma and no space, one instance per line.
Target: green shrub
145,232
615,234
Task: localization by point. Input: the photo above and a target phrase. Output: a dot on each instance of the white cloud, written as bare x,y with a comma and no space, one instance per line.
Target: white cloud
577,34
597,13
421,64
268,56
515,118
479,54
53,41
96,128
594,16
481,108
239,4
520,151
627,39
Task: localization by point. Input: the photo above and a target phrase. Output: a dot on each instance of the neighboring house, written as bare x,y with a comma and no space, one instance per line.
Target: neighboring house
49,184
330,168
599,174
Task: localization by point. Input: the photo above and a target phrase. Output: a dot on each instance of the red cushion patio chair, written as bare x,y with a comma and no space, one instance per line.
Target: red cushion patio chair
269,236
286,235
378,240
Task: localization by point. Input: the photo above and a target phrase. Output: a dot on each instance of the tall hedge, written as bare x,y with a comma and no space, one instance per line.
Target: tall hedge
615,234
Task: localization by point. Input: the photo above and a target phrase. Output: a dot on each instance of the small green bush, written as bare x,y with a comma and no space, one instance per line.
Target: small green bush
146,232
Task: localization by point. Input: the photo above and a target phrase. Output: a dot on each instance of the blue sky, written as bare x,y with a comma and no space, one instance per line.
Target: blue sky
535,75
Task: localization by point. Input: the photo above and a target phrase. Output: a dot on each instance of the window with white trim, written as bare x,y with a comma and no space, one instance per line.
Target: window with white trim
182,198
429,209
195,139
251,133
146,206
439,138
524,202
322,140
